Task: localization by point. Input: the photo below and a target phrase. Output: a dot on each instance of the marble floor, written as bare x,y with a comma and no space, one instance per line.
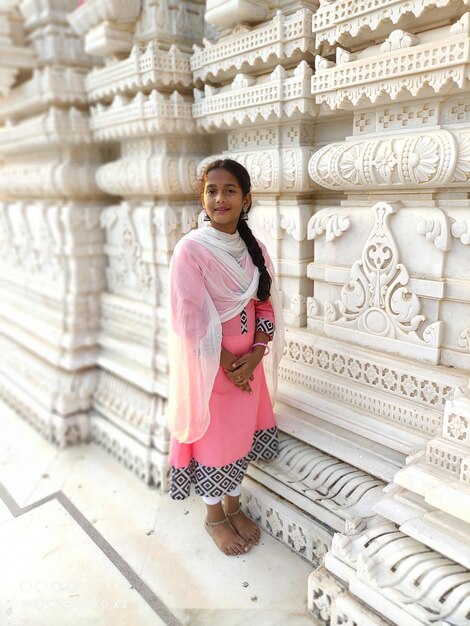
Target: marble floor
83,541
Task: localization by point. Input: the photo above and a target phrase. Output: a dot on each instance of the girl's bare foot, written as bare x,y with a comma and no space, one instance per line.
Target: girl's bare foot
226,538
244,526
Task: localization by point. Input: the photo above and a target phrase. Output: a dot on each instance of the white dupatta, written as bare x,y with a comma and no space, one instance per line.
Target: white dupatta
201,299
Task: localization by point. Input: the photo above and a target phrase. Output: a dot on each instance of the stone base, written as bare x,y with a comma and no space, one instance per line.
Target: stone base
331,604
303,534
149,464
63,430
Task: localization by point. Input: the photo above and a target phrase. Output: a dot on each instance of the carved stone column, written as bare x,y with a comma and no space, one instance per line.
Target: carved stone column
141,103
52,264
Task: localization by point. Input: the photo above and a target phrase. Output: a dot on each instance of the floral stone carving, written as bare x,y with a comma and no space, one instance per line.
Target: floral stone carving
377,300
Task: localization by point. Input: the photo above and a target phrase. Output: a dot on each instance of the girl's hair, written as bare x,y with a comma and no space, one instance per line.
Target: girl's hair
243,179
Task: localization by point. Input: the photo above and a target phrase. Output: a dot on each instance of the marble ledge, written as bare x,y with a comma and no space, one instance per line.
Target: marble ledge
431,385
56,355
429,525
281,94
49,86
396,71
146,68
142,116
113,357
54,128
42,380
371,457
92,12
285,37
397,576
438,488
332,492
351,23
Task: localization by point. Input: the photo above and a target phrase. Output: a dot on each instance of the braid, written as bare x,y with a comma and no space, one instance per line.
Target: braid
256,254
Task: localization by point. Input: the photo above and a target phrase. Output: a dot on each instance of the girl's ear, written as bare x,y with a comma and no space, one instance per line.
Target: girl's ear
247,201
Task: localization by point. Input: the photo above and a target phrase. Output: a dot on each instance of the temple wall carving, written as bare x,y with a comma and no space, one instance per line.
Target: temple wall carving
353,119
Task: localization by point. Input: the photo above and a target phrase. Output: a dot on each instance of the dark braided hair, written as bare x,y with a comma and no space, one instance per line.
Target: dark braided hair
243,179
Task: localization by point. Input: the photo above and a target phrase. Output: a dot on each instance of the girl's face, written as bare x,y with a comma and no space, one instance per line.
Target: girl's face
223,200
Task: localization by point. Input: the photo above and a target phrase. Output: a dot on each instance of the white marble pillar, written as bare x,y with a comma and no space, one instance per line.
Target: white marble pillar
141,104
52,268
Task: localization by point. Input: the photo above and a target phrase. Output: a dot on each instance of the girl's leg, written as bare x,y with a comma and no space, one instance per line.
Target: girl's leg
244,526
221,531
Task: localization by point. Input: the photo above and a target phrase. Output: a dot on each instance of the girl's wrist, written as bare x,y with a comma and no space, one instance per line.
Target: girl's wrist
260,348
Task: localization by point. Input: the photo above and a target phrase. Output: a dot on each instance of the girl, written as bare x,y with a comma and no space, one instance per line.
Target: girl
224,309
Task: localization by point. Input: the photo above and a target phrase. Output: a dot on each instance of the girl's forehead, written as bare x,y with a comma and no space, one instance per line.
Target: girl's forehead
221,176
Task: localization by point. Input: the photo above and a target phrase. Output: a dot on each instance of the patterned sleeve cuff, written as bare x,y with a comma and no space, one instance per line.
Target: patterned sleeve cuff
265,326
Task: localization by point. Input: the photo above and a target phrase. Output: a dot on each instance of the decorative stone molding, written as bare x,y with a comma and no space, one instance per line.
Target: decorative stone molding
146,68
227,13
148,176
286,94
179,22
350,22
14,55
55,128
332,222
340,496
412,161
141,116
436,228
286,522
284,37
397,576
49,86
92,12
461,230
149,465
397,73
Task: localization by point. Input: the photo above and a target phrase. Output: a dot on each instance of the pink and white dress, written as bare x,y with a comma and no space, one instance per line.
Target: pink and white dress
239,427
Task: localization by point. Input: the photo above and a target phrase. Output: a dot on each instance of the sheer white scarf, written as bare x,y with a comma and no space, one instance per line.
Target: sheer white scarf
200,300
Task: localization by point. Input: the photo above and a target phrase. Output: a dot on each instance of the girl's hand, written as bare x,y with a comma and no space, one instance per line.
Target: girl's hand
226,360
243,367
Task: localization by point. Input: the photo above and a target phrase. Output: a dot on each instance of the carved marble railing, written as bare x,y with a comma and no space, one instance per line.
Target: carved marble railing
284,94
284,37
351,22
143,115
403,66
146,68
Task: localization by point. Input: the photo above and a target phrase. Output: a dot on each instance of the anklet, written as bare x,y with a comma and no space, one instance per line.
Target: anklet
212,524
239,510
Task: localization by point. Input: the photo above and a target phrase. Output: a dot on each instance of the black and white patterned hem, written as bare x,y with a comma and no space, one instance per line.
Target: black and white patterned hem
215,481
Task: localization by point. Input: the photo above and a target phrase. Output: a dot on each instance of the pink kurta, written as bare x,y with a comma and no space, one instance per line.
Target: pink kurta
242,426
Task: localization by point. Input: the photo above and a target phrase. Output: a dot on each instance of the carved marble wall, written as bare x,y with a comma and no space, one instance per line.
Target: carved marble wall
353,119
52,263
